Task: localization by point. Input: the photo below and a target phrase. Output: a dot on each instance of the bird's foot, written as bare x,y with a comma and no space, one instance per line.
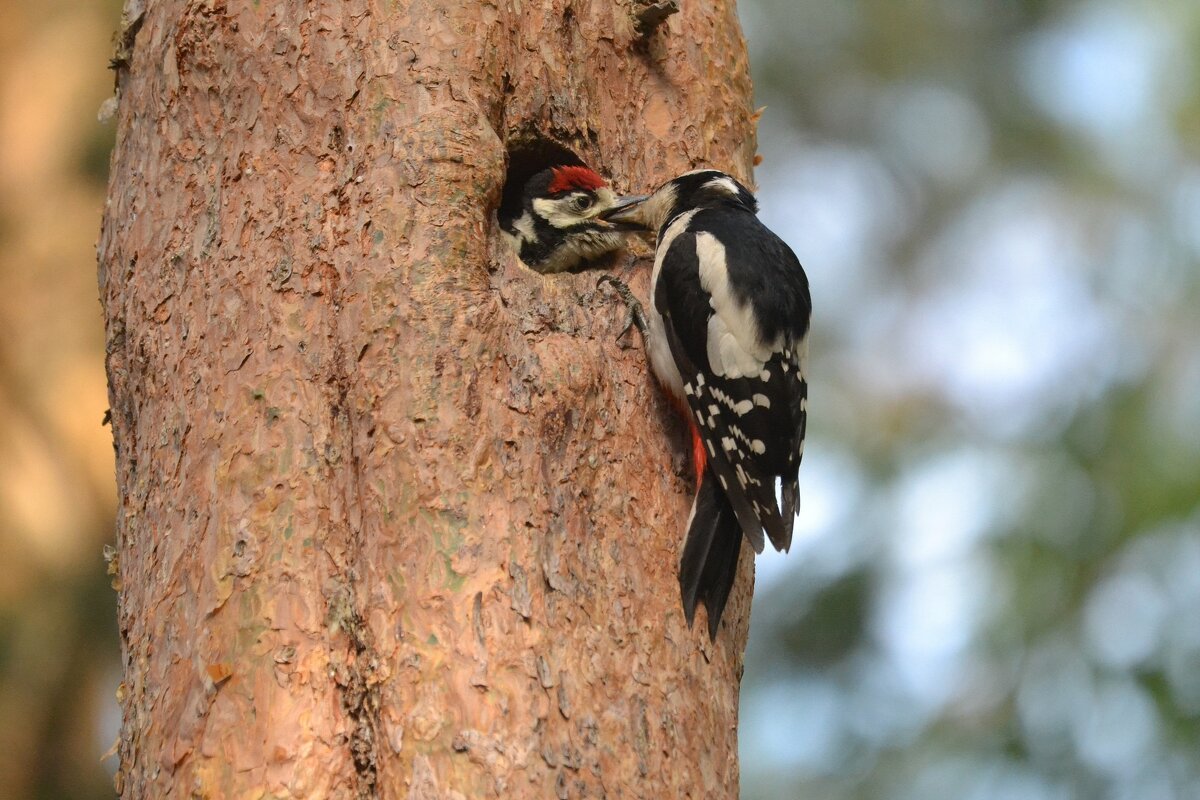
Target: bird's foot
636,314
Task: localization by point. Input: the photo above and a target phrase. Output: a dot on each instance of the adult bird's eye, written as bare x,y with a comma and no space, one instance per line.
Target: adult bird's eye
582,203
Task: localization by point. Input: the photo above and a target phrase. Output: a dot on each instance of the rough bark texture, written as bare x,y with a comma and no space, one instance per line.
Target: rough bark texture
398,517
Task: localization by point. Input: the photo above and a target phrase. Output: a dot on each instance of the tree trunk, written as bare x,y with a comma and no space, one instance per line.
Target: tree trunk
399,517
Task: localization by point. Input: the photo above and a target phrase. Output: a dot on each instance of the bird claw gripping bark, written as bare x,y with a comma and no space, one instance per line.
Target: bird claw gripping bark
636,315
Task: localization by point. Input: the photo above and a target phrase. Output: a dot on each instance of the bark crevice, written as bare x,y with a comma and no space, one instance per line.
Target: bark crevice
358,684
354,662
358,677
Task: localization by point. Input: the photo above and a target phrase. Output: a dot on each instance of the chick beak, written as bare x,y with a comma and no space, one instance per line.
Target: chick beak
625,214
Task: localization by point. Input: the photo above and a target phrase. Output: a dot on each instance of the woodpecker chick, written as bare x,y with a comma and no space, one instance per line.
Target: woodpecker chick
557,227
727,337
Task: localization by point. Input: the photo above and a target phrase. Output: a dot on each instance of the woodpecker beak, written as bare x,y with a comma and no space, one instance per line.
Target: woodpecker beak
626,215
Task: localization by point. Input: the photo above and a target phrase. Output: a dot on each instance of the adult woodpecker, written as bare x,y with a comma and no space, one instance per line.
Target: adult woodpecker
556,228
727,337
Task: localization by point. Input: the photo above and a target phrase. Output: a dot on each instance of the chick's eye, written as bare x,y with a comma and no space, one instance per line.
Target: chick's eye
582,203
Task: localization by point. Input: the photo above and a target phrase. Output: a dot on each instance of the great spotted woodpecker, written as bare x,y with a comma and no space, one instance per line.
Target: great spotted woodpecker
556,228
727,337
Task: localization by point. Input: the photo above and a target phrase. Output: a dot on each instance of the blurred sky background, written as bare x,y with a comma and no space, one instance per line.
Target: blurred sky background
995,589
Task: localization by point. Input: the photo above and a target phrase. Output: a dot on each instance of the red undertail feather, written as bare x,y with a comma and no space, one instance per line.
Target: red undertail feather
699,454
568,179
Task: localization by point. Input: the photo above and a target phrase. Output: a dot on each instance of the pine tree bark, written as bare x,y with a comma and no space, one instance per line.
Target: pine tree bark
398,517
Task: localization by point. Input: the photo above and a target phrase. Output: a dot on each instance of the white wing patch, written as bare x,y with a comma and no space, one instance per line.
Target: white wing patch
735,349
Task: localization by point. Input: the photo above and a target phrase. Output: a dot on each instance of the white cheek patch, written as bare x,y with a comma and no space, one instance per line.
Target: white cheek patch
561,214
723,184
556,212
734,347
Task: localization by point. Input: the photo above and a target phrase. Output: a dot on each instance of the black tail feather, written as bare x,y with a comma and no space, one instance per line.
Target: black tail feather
708,566
790,493
706,513
721,570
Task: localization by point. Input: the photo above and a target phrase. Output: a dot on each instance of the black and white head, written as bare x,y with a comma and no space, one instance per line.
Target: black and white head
702,188
558,226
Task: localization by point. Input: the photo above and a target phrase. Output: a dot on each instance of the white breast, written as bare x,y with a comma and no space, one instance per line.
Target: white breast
659,349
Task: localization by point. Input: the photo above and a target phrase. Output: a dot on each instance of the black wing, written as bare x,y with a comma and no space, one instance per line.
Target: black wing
752,424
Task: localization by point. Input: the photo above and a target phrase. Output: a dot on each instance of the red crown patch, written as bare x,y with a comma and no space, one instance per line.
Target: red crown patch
568,179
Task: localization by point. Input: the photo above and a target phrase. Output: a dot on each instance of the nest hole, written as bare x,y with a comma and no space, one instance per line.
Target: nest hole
528,156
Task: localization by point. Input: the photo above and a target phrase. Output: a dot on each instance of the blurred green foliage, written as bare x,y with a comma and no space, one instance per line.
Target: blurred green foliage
996,588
